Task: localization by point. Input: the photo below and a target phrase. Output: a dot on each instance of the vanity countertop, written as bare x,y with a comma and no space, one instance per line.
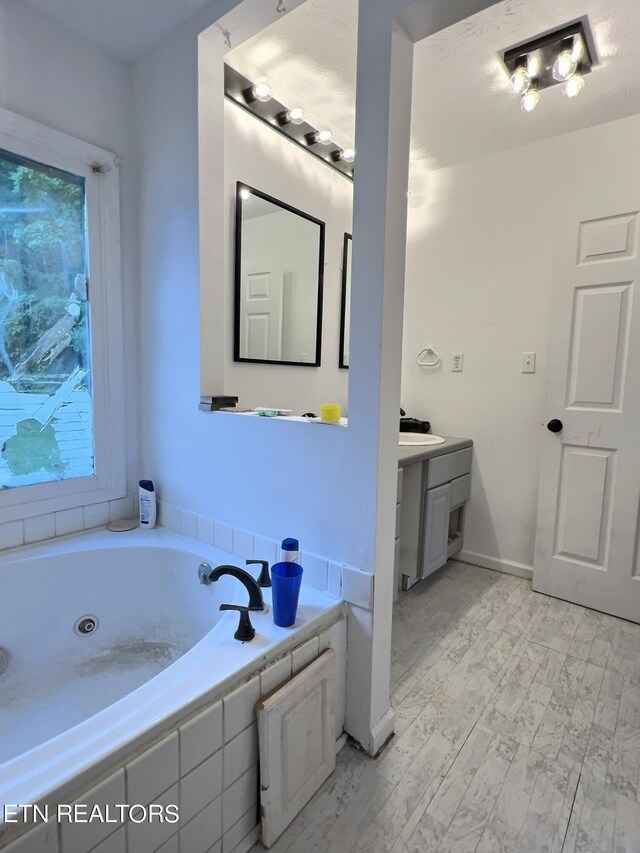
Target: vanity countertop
409,455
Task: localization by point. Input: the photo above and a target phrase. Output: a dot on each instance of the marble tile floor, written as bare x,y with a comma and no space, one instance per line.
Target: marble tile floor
517,731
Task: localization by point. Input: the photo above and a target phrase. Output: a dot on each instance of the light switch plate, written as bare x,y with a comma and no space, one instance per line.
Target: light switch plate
528,362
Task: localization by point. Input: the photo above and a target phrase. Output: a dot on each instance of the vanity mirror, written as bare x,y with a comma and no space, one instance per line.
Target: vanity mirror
279,266
345,310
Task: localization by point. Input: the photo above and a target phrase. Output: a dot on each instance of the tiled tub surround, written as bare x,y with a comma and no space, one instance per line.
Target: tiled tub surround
13,534
186,737
336,579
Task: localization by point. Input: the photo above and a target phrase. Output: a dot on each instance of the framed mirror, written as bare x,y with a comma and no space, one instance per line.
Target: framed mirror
279,268
345,309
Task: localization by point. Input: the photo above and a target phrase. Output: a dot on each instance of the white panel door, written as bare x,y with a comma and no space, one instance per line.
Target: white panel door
261,312
588,509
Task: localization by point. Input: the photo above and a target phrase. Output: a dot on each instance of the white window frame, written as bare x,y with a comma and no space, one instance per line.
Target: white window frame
100,169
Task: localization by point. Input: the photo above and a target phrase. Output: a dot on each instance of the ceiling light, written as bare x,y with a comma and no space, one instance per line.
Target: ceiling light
347,155
534,64
295,115
529,101
564,66
548,60
520,80
574,86
324,137
285,119
578,51
262,91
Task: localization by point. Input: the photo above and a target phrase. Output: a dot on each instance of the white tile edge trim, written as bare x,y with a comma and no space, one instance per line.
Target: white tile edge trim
508,567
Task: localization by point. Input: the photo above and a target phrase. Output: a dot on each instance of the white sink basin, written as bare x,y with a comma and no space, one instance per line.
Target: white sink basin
419,439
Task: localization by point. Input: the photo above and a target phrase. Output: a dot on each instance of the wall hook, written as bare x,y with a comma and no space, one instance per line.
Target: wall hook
424,362
226,35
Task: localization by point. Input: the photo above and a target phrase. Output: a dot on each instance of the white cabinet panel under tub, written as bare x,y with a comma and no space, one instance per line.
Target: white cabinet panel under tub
297,745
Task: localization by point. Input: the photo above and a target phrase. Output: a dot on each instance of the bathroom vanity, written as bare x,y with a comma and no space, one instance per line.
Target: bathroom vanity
434,484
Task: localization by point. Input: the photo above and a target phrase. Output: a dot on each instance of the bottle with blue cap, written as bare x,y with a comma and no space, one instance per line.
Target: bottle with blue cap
290,551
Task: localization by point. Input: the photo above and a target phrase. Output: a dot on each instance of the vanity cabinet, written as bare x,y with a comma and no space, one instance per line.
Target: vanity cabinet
434,488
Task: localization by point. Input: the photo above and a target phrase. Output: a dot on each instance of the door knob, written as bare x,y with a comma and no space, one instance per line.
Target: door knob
554,425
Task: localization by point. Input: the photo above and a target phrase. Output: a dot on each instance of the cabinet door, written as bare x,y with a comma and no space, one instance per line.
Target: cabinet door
436,528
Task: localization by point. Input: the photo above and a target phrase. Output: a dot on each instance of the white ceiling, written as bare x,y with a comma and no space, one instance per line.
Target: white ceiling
462,108
126,28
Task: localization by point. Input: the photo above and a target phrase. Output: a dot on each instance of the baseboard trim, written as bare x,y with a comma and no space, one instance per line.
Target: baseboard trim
381,732
341,742
508,567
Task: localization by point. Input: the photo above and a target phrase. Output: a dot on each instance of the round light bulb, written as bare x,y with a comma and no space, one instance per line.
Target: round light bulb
534,64
529,101
574,86
262,91
520,80
324,137
578,51
348,155
245,194
295,115
564,66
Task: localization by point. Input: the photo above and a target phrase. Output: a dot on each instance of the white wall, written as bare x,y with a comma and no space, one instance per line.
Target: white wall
51,75
262,158
480,281
338,495
232,468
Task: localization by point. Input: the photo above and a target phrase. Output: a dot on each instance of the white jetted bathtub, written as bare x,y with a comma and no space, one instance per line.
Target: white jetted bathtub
104,637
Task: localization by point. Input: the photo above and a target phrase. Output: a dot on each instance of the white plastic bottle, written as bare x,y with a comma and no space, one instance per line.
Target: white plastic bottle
147,504
290,551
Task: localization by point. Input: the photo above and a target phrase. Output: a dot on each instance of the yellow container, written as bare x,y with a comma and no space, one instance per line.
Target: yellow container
330,413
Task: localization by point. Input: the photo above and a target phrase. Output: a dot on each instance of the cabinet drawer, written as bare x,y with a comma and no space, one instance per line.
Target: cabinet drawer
460,490
399,485
448,467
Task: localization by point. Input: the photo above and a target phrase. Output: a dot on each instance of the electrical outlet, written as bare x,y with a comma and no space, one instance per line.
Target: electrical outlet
457,362
528,362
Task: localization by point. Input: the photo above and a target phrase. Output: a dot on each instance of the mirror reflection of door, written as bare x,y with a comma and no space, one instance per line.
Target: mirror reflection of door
261,309
279,271
345,312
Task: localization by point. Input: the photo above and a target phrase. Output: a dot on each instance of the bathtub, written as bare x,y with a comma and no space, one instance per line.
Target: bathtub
110,638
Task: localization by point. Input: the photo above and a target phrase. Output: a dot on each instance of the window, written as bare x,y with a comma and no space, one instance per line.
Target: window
61,409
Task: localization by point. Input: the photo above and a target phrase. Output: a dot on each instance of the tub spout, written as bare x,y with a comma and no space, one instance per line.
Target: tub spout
208,575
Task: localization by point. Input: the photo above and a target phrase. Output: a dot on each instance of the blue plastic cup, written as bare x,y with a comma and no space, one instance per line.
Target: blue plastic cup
285,589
